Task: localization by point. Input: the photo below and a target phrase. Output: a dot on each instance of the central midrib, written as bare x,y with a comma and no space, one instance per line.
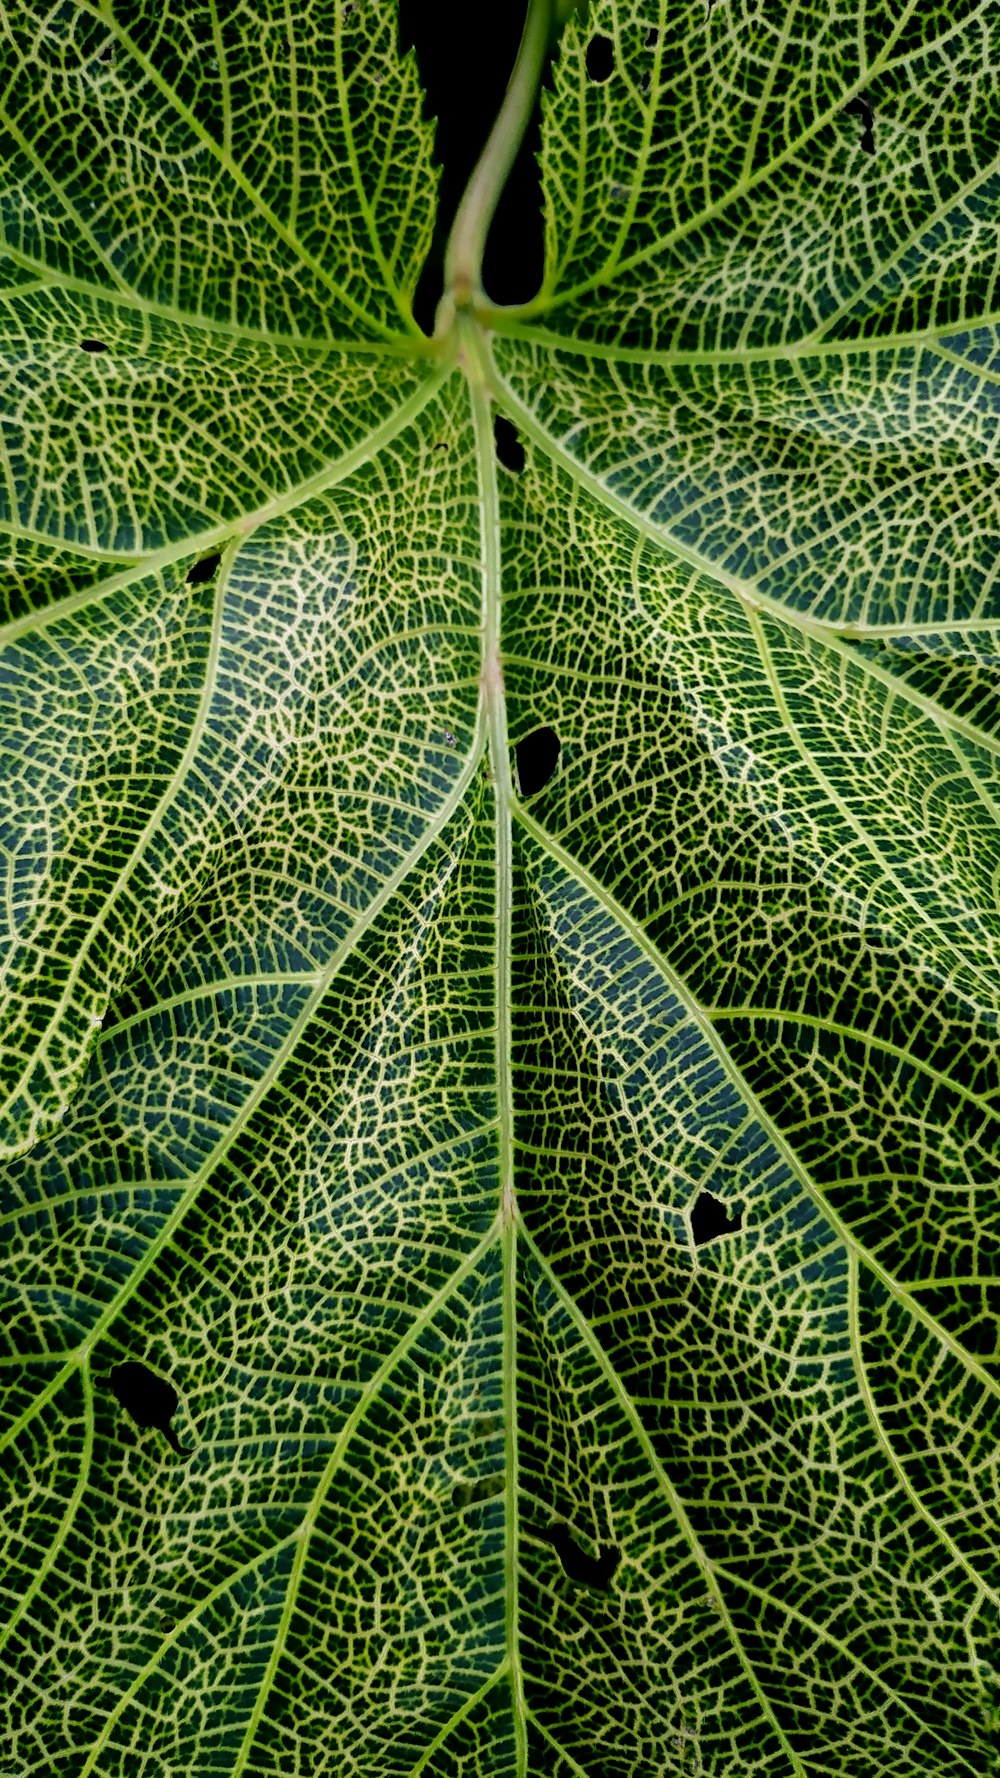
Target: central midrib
493,708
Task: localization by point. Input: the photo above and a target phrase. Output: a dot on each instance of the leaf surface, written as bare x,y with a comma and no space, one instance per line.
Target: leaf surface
561,1227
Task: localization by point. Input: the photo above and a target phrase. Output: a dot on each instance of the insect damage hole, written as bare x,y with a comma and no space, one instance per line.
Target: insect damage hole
710,1218
860,107
202,570
149,1400
600,58
588,1571
536,756
509,449
93,346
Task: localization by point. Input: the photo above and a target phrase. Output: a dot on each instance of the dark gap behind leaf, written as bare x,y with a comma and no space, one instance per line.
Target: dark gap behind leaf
590,1571
600,58
148,1399
203,570
537,756
510,450
464,75
860,107
710,1218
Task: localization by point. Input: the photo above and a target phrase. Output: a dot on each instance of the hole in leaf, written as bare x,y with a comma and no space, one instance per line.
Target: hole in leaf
860,107
510,450
93,346
148,1399
710,1218
590,1571
652,37
536,756
600,58
203,570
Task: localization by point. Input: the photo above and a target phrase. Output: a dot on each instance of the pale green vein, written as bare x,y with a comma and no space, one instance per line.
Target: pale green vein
87,234
458,1139
803,348
330,474
831,635
983,979
899,1469
984,795
359,183
209,991
574,1766
173,1636
291,66
190,1191
494,705
456,1719
866,1040
336,1458
956,196
678,1511
715,1044
153,827
49,278
647,110
47,1564
969,365
944,719
785,19
822,1634
231,167
954,1281
742,188
638,521
70,546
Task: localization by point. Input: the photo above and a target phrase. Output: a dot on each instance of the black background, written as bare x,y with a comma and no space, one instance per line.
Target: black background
465,53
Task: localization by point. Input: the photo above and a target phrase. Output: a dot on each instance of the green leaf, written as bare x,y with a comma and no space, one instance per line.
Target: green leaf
556,1228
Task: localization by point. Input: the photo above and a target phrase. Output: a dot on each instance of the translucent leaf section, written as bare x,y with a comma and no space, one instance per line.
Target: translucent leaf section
709,1000
279,731
852,486
226,163
713,192
501,907
316,1524
228,430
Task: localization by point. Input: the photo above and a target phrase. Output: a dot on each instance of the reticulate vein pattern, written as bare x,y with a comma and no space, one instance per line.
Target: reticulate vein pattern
566,1218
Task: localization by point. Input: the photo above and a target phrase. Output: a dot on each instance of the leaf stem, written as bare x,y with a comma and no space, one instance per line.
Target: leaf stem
464,254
